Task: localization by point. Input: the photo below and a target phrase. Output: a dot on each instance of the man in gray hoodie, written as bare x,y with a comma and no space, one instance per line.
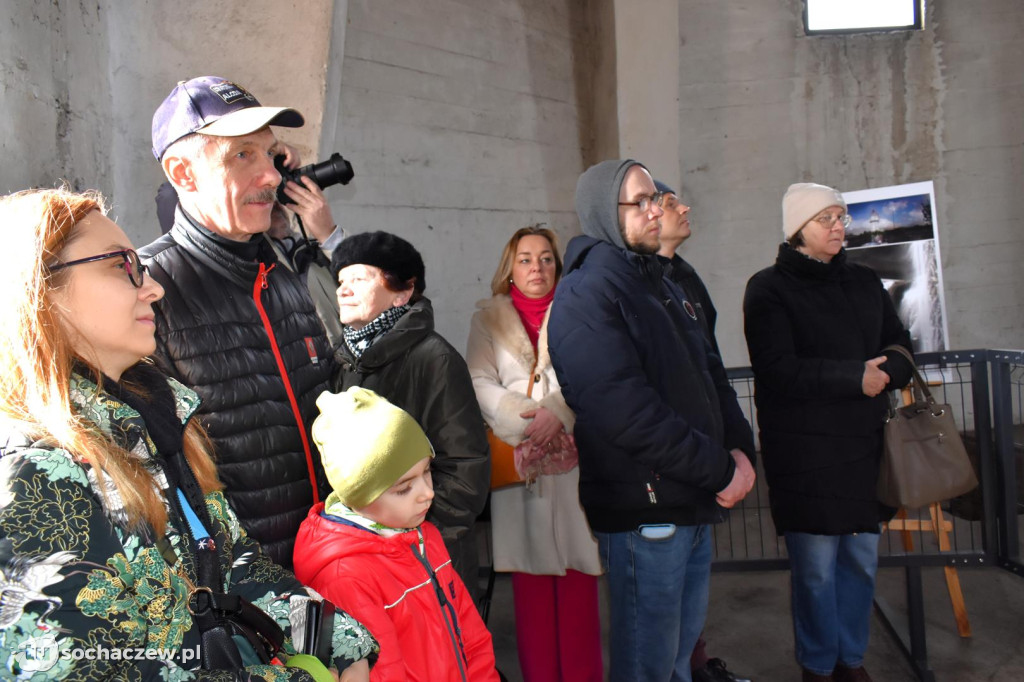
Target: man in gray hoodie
664,447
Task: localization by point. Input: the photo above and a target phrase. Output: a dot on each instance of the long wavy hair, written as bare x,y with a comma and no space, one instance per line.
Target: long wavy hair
500,284
37,355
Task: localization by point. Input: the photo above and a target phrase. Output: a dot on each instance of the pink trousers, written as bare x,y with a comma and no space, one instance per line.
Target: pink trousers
558,627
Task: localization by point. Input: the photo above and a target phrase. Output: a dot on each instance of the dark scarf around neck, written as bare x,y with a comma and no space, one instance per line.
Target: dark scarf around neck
144,389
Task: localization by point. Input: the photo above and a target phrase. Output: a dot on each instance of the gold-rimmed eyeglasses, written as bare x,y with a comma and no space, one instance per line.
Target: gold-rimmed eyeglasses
829,219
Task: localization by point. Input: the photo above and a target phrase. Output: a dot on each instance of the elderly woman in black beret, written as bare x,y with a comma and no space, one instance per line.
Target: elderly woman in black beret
390,347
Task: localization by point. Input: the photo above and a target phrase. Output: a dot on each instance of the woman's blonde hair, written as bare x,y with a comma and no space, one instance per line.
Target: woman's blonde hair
503,275
36,353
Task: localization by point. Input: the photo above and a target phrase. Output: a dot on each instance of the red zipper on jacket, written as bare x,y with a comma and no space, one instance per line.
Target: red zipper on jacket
258,286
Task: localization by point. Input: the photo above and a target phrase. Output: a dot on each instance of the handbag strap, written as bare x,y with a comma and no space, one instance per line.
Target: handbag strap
533,378
920,385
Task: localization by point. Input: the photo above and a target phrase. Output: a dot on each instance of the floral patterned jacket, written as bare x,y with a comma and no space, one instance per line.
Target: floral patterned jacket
83,598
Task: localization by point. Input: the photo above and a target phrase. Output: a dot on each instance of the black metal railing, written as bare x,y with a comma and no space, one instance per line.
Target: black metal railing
985,388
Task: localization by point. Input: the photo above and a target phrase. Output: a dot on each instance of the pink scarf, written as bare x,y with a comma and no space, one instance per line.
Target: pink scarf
531,311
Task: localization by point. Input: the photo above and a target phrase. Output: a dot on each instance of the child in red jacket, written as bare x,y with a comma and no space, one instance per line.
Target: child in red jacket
368,549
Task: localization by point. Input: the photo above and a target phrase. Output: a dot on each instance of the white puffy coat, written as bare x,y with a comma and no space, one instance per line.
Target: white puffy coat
540,530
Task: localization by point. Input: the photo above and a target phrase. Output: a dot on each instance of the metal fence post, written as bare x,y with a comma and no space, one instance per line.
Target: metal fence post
983,436
1002,413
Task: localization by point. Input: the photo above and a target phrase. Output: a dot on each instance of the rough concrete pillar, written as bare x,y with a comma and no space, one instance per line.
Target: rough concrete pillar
332,85
647,75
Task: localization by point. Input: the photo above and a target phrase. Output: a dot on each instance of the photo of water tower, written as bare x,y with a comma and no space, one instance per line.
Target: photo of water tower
893,232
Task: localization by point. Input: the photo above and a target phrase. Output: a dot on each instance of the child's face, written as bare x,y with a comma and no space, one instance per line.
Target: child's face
405,504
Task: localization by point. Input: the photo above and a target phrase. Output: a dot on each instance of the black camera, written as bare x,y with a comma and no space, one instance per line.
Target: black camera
334,171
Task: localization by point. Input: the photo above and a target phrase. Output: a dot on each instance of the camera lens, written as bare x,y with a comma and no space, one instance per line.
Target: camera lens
334,171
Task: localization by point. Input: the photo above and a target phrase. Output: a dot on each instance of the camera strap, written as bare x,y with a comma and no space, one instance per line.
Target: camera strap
224,620
309,250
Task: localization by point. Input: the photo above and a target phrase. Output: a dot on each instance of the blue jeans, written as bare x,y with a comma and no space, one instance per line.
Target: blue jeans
659,599
833,581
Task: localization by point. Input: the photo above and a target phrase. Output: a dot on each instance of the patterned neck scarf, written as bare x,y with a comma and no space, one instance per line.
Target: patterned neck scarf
335,507
358,340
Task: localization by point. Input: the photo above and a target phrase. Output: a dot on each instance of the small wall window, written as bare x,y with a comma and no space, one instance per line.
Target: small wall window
858,16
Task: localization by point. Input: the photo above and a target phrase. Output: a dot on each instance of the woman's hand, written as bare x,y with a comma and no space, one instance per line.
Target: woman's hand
357,672
874,380
543,428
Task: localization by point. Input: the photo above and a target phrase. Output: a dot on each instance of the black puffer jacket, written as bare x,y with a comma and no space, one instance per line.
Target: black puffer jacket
810,327
214,338
417,370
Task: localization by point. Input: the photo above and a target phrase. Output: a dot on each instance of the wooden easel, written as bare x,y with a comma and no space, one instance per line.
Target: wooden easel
942,527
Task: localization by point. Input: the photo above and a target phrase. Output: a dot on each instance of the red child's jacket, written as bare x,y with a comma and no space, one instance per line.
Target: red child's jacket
385,584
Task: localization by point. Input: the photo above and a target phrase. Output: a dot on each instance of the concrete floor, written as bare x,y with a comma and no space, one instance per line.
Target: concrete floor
749,627
749,623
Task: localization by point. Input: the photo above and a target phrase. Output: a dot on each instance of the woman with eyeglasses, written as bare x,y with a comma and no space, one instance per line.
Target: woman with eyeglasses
115,537
539,531
816,326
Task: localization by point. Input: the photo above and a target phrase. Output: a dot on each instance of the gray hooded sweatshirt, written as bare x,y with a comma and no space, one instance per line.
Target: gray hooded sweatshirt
597,199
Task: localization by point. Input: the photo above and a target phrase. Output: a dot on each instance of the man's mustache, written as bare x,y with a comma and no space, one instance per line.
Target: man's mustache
264,196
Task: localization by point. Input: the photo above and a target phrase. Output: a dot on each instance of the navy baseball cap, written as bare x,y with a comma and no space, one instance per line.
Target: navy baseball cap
214,106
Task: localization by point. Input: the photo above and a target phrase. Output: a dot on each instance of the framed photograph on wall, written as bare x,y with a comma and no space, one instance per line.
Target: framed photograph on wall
894,232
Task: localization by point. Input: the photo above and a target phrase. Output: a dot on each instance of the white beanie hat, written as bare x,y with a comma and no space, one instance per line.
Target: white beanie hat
803,200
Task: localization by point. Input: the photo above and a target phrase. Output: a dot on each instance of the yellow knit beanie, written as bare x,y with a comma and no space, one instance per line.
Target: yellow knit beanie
366,444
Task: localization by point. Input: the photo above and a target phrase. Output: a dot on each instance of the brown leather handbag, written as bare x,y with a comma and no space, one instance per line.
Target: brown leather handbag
923,459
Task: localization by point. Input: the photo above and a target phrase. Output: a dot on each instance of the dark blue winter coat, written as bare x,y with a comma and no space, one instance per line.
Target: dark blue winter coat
655,414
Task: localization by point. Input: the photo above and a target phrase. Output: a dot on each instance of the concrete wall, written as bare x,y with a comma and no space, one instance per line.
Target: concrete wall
466,120
647,77
54,96
461,122
79,83
762,105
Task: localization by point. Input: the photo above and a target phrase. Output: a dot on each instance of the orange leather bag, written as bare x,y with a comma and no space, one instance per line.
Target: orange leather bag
503,462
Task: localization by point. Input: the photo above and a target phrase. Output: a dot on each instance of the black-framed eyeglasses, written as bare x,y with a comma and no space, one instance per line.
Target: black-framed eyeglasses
644,203
134,268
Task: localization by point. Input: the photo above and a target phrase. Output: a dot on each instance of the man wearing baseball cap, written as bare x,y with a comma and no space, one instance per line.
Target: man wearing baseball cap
235,325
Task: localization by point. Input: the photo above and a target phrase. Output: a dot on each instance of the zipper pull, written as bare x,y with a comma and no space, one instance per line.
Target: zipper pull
261,278
650,494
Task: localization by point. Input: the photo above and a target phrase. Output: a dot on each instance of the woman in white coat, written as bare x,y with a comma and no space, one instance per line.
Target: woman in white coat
539,531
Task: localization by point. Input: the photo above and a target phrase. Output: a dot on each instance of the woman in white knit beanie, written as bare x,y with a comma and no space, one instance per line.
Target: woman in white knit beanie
822,210
816,326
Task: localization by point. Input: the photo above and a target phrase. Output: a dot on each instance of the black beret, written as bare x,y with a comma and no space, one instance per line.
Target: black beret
383,250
